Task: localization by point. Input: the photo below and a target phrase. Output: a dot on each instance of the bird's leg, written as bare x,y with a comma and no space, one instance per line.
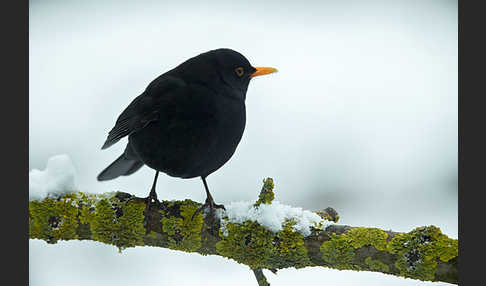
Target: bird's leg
153,194
149,202
209,201
152,197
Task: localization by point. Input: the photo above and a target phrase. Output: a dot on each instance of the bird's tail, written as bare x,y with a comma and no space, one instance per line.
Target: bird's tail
120,167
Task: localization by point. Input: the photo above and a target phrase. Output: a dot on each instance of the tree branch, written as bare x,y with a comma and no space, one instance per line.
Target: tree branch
261,279
123,220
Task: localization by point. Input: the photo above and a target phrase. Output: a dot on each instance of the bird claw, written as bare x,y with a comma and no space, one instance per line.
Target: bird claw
208,204
149,201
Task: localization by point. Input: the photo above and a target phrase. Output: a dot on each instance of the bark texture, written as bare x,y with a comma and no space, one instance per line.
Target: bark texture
123,220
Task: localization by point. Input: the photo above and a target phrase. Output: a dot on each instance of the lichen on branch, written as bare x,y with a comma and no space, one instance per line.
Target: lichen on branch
266,194
124,221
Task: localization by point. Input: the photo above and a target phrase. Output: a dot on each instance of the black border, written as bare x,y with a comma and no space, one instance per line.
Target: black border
471,141
14,21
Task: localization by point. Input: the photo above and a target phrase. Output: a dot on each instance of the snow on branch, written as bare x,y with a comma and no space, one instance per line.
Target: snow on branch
262,235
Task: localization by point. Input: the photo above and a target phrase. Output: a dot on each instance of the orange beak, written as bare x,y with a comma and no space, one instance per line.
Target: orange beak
263,71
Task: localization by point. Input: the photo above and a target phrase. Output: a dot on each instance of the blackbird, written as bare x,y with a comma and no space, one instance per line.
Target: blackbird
188,121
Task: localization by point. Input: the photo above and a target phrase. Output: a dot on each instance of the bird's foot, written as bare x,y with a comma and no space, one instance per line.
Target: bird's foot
209,204
152,198
149,201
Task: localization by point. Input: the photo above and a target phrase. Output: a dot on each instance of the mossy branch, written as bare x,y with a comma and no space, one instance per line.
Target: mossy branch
123,220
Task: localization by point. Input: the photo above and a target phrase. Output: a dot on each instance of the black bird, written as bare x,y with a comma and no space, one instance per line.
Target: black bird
188,121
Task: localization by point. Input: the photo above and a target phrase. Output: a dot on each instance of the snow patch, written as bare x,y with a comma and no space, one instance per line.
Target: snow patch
272,216
57,178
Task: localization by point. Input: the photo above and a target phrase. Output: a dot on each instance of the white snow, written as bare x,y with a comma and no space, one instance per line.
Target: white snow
55,180
273,216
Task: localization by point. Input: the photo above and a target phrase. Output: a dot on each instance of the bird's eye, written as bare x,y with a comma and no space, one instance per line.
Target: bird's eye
239,71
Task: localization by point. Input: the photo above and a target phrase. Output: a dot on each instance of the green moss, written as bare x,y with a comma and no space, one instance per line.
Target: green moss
290,246
339,251
184,231
117,223
377,265
86,203
153,234
53,219
417,251
246,243
446,248
361,236
251,244
121,223
266,194
328,214
59,218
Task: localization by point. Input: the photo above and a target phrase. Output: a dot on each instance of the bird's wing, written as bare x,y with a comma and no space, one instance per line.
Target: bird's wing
143,109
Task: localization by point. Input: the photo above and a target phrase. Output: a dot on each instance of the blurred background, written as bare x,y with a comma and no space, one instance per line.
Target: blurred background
362,116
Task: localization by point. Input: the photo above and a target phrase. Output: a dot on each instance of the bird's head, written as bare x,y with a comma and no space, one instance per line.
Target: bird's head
223,70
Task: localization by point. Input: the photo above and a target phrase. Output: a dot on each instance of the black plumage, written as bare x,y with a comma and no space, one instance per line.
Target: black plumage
188,121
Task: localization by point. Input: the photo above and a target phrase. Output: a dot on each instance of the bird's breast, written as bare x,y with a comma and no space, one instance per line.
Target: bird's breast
194,139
